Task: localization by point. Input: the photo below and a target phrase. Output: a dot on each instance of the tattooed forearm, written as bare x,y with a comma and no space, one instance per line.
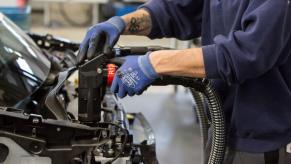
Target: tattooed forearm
138,23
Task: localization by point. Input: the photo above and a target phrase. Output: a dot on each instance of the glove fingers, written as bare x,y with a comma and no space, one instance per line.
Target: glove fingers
121,92
139,93
93,45
107,49
114,85
82,51
109,43
112,40
130,93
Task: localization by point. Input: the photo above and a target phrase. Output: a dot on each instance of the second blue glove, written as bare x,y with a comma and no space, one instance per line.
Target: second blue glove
134,76
102,36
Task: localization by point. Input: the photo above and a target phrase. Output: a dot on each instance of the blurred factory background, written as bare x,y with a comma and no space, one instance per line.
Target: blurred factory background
168,109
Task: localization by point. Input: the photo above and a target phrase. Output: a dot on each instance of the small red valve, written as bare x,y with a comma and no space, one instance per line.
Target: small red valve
111,69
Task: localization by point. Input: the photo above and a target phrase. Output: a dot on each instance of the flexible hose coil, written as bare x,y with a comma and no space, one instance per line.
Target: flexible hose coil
218,123
216,113
202,118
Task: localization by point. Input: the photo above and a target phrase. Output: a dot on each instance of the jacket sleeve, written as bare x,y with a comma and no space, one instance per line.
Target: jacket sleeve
254,50
175,18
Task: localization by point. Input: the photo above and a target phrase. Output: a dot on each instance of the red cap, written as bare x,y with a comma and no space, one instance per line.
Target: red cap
111,69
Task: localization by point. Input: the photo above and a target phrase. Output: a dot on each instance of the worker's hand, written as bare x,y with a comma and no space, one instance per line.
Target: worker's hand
100,38
134,76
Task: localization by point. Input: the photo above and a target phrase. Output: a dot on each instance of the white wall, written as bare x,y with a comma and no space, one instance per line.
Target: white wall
36,5
8,3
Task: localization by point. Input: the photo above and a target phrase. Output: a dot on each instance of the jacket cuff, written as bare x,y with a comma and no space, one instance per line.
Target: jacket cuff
210,61
153,9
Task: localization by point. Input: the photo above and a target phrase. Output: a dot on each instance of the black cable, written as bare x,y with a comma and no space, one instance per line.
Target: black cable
203,120
217,120
216,112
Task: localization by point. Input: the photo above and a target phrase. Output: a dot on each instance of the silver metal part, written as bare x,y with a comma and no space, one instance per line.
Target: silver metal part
103,160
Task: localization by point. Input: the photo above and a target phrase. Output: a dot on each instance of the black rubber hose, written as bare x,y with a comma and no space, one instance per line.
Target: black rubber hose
202,118
216,113
218,123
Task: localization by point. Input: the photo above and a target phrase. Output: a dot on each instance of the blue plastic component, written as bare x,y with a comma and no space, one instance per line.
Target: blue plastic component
124,9
20,16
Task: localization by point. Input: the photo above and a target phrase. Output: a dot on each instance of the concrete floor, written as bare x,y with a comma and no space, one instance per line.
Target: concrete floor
170,115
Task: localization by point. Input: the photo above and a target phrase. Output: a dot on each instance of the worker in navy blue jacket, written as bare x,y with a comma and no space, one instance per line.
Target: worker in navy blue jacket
246,54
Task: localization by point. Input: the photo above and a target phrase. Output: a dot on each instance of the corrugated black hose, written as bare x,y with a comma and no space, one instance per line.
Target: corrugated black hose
200,85
218,124
216,113
202,118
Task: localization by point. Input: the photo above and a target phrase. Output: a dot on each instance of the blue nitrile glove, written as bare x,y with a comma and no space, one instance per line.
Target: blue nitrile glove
134,76
100,38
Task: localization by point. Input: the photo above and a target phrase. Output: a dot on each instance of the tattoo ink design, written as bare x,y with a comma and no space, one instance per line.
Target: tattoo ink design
134,25
138,24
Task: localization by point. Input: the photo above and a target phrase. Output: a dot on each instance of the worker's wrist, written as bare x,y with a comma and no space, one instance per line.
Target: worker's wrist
187,62
118,22
154,61
161,59
147,67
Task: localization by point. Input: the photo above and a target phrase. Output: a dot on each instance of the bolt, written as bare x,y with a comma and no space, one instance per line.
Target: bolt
35,148
99,70
104,134
97,152
109,143
110,151
58,129
39,42
35,120
33,132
